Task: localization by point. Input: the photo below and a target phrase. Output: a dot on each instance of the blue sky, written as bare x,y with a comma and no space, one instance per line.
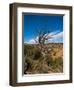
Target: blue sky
32,23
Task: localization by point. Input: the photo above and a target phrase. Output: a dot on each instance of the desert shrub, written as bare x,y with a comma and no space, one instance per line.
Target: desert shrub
29,50
59,61
25,67
37,54
55,64
25,51
50,62
28,64
49,59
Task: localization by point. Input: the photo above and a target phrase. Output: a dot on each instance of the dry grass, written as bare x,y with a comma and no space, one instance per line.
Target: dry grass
36,63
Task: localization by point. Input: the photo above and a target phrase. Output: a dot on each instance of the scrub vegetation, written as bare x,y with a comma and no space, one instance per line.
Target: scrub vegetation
40,59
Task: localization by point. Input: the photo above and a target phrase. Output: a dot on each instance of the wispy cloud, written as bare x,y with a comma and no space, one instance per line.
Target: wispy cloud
32,41
54,37
58,35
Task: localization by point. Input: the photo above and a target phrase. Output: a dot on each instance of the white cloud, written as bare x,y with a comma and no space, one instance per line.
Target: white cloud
58,35
54,37
32,41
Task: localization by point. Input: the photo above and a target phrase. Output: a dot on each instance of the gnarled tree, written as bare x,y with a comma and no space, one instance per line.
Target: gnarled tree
43,36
